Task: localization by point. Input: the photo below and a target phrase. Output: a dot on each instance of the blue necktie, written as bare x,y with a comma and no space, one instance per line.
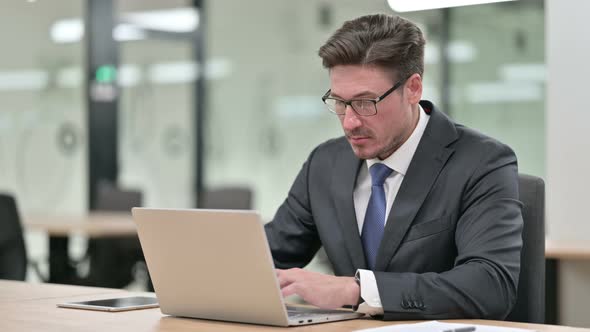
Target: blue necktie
375,216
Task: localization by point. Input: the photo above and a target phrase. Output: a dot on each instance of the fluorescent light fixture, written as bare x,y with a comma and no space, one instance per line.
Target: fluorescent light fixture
128,32
187,72
431,54
458,51
67,31
218,68
23,80
170,20
129,75
299,107
530,72
69,77
173,72
72,30
417,5
496,92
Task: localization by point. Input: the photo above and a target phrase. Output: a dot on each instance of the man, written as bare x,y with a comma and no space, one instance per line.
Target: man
422,212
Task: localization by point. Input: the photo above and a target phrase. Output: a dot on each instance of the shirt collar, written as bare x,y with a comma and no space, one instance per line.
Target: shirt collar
400,159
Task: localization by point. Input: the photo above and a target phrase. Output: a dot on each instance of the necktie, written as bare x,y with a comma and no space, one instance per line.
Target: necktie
375,217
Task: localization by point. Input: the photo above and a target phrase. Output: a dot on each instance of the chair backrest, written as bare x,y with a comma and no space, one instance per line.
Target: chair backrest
239,198
112,259
111,198
13,255
530,303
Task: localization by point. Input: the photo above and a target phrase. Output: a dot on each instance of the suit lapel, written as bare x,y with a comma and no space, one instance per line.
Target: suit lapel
343,182
429,159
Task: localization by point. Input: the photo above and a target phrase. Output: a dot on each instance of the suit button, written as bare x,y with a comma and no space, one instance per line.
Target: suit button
405,304
416,305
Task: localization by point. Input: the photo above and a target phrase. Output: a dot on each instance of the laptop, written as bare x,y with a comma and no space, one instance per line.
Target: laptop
216,264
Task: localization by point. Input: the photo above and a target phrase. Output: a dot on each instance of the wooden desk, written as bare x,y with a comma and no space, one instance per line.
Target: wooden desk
59,228
11,291
567,250
33,308
556,251
95,224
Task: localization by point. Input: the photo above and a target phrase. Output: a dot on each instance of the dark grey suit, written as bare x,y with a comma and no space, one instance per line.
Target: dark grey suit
451,247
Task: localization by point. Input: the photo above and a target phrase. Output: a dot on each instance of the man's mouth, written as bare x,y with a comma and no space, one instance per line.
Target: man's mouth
358,139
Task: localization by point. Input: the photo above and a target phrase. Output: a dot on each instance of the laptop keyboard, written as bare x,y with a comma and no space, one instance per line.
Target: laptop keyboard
296,312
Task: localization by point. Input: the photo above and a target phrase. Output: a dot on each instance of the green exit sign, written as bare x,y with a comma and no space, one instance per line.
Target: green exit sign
106,74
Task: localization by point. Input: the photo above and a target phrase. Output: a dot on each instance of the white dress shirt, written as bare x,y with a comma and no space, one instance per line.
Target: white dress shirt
398,162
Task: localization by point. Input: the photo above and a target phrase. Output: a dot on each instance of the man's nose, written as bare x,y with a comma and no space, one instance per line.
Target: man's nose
351,119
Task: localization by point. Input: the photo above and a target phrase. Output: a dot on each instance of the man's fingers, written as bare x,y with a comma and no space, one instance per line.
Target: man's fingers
284,282
289,290
287,277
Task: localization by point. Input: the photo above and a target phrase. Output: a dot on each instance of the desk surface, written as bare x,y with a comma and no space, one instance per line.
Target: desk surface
11,291
95,224
32,307
566,250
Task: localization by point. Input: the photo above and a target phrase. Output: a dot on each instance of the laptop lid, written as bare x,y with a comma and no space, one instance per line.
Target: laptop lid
211,264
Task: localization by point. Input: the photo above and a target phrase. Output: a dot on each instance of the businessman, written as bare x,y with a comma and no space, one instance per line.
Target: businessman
419,216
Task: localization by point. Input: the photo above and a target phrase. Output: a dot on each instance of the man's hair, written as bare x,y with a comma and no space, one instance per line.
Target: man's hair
390,42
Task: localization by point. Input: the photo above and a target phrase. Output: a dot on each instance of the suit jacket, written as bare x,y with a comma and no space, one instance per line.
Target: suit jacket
451,245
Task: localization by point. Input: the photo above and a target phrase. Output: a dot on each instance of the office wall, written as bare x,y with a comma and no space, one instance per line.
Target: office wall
568,150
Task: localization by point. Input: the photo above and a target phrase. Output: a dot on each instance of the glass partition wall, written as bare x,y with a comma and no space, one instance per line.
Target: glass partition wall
156,108
498,79
264,83
43,133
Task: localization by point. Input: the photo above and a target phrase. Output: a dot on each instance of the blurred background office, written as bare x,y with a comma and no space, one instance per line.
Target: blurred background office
169,99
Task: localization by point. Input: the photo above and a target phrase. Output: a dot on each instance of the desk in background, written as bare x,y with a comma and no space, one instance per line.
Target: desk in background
59,228
32,307
556,251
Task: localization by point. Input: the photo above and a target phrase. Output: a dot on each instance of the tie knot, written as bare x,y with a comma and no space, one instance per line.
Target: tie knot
379,172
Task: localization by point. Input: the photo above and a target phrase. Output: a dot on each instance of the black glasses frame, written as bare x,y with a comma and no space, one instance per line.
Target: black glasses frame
326,96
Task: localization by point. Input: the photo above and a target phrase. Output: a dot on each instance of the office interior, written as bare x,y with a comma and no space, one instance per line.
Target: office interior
207,95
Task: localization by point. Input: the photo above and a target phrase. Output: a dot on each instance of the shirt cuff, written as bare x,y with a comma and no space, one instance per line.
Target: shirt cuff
369,293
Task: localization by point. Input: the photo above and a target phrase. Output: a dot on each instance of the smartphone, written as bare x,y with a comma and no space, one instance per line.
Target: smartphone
117,304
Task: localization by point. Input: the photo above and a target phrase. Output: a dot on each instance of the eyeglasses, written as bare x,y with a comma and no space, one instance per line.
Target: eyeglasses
362,107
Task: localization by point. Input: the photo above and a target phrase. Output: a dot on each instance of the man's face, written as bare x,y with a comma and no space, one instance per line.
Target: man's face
376,136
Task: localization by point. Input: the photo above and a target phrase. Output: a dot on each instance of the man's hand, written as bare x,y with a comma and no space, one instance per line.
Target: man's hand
324,291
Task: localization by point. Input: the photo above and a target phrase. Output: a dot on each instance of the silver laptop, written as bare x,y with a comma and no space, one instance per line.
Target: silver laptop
216,264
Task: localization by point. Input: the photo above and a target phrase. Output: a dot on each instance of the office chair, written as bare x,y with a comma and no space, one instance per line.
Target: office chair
13,254
112,260
239,198
530,303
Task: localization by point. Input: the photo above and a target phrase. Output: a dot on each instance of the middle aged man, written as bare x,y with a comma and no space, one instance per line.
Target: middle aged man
422,210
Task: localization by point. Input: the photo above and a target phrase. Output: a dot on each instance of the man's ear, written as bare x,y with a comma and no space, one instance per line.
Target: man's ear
413,89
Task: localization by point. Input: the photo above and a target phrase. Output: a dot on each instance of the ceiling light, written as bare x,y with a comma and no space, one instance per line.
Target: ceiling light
416,5
170,20
533,72
497,92
134,25
128,32
23,80
67,31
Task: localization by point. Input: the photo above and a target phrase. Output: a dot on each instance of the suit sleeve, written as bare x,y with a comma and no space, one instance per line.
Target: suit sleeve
292,234
488,237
